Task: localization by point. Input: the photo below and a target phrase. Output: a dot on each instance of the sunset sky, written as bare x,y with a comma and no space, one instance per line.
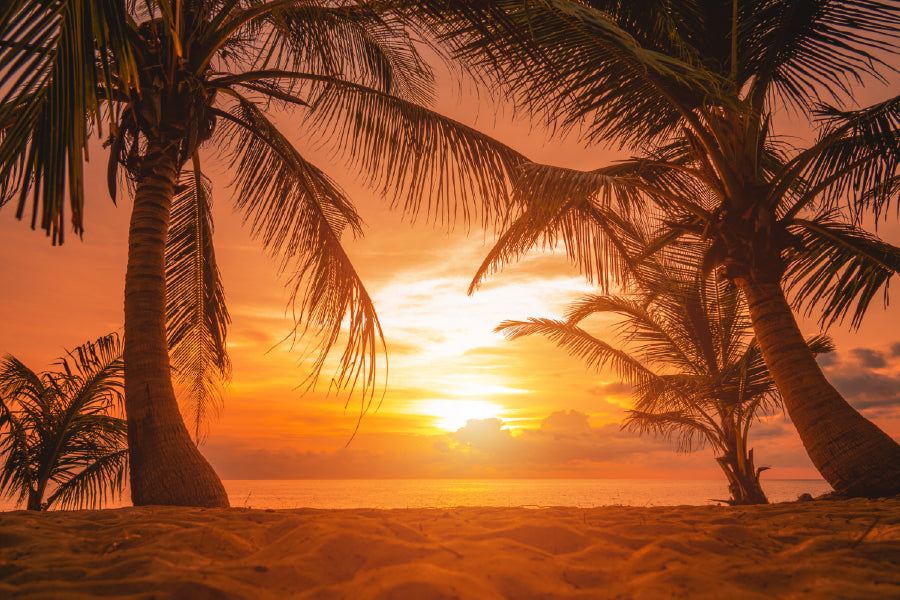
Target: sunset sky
461,401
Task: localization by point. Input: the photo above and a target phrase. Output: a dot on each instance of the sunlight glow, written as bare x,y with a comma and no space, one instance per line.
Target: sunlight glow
466,389
435,315
452,415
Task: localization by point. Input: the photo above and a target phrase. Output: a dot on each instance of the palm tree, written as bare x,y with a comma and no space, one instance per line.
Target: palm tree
159,80
690,88
56,428
684,342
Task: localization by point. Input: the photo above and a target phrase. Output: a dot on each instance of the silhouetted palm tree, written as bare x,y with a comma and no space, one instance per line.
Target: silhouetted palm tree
59,437
683,340
691,89
161,79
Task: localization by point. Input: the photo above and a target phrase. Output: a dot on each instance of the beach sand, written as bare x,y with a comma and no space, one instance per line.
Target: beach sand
821,549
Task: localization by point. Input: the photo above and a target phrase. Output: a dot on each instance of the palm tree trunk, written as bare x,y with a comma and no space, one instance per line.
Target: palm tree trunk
852,453
166,467
34,499
743,479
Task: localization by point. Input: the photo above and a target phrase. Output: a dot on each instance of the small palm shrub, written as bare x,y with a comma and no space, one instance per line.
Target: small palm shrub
684,341
60,443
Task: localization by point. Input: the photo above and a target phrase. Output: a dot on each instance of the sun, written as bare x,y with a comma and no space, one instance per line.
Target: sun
452,415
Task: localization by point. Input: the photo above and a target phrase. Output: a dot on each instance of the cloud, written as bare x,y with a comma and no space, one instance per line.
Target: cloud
615,388
869,390
869,358
487,435
564,445
869,378
564,442
567,423
772,427
828,359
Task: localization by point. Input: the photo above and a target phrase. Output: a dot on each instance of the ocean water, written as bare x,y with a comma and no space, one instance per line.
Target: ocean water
441,493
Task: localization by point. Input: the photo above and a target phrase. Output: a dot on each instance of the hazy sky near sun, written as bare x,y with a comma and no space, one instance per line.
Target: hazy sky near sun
461,401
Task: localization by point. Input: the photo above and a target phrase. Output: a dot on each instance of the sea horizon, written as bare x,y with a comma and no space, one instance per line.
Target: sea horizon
493,492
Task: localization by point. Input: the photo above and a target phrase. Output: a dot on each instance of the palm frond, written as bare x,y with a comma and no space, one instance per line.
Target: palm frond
595,353
820,344
53,56
59,426
652,328
17,475
623,73
858,156
429,163
99,357
682,339
18,381
839,268
602,217
752,384
196,316
299,215
811,47
590,213
92,376
353,42
101,480
685,430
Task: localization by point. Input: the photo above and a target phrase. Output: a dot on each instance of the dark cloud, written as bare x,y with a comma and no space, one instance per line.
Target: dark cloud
868,390
776,427
828,359
868,379
782,456
869,358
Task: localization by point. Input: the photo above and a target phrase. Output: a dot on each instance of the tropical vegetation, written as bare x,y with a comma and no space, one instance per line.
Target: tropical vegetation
164,84
682,339
706,96
61,442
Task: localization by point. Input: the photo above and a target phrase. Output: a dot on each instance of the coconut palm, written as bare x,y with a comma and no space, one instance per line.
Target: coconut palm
690,89
160,80
59,436
684,342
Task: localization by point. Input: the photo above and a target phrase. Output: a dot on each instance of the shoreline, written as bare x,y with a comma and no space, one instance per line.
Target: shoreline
819,549
444,493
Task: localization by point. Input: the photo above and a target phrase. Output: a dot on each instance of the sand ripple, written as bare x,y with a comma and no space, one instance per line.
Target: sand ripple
824,549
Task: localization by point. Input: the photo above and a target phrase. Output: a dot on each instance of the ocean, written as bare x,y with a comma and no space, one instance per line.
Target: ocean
441,493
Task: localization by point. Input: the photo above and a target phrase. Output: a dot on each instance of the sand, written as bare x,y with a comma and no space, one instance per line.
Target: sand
821,549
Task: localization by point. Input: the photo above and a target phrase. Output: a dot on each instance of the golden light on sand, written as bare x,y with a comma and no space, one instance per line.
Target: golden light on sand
452,415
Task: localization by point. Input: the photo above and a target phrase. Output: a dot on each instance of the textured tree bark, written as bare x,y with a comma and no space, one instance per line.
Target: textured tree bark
34,500
852,453
166,467
743,480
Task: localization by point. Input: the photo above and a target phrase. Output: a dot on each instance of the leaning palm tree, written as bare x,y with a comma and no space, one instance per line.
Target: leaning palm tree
690,89
59,436
684,342
160,80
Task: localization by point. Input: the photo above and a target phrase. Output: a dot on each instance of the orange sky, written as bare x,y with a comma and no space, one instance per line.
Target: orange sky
537,412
